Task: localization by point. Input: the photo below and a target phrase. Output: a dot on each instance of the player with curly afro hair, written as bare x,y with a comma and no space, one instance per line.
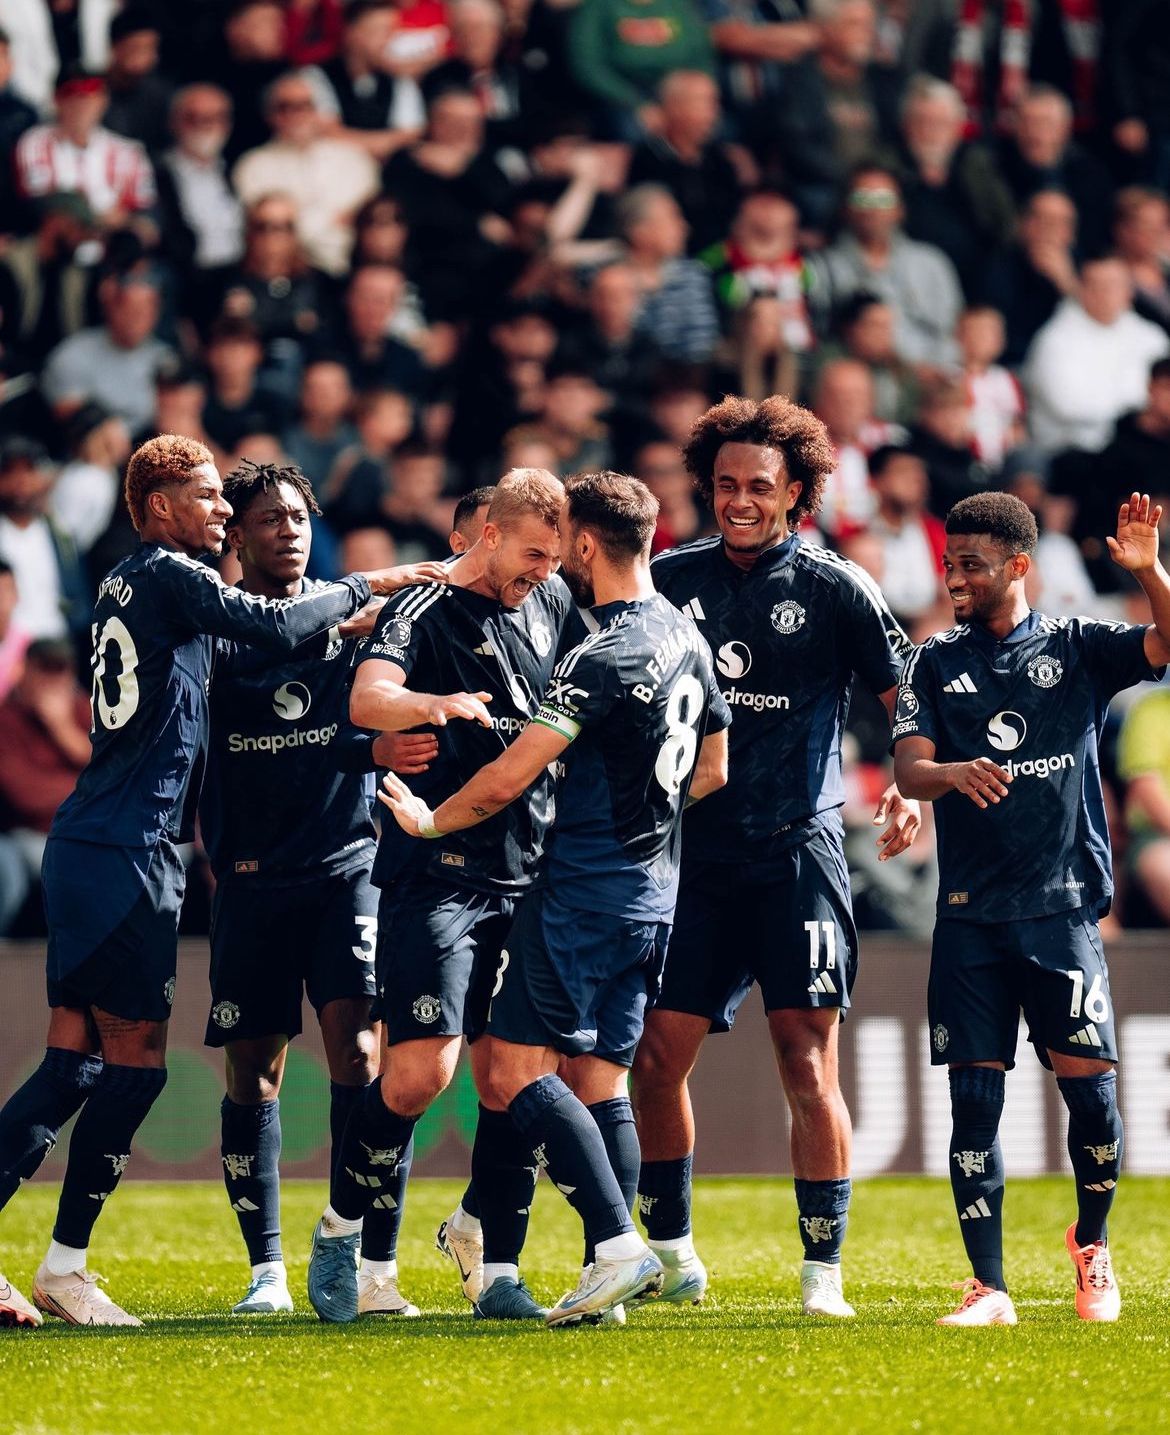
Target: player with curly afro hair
776,423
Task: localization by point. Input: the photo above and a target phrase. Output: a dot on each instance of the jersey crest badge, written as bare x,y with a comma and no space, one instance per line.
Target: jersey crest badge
1045,670
541,636
787,617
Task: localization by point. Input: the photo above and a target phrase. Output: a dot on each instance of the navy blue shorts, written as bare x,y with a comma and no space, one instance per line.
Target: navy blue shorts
113,916
272,942
983,974
579,982
438,954
787,924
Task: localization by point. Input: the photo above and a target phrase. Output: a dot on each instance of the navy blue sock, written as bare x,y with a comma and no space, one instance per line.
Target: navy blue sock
384,1218
33,1115
99,1148
375,1142
250,1148
504,1176
1094,1147
565,1140
470,1199
664,1198
823,1218
976,1168
615,1121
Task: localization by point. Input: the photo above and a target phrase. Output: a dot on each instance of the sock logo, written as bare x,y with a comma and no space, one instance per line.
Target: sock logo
646,1204
818,1228
540,1156
1101,1186
382,1156
1104,1154
972,1163
243,1204
977,1211
386,1203
238,1167
120,1163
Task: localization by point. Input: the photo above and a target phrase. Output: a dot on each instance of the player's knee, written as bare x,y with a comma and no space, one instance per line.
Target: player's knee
249,1083
659,1067
807,1079
354,1064
410,1092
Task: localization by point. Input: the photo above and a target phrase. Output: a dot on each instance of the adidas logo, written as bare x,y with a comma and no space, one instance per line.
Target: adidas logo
485,650
386,1203
243,1204
961,684
823,984
1087,1036
694,609
1100,1185
359,1179
976,1211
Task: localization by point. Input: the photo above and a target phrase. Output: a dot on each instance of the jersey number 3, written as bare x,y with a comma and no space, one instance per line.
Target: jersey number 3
121,679
676,756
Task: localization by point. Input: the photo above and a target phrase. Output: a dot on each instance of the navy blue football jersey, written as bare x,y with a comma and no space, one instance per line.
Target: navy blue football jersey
787,637
447,640
1035,703
154,624
635,699
289,778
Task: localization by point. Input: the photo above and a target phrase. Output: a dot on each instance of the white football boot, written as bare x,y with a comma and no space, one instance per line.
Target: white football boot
14,1309
981,1305
821,1293
78,1299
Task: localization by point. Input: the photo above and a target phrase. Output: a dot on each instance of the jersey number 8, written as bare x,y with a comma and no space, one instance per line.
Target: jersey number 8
676,756
118,713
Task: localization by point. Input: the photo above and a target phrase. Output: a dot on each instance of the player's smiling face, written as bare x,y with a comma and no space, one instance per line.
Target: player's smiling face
979,576
752,496
272,535
522,552
199,512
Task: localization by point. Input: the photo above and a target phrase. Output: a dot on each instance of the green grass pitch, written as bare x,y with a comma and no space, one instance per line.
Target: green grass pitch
745,1361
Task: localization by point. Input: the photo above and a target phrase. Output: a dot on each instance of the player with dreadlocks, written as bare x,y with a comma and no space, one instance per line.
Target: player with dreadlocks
286,822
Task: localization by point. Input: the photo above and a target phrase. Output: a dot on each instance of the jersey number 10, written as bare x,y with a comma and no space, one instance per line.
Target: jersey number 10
125,682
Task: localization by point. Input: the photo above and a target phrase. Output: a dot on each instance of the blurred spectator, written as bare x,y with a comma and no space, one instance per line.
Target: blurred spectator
658,463
47,38
1143,760
44,283
608,345
89,485
526,447
325,178
469,517
13,639
1090,362
478,61
620,51
942,438
44,744
312,30
570,419
74,152
140,97
274,286
685,156
912,541
359,98
952,192
756,40
1141,239
1042,154
1058,581
836,109
249,60
452,193
872,253
843,401
16,116
1138,60
353,494
180,398
760,259
413,510
997,403
679,397
202,219
678,308
51,600
323,427
865,329
237,403
1027,279
116,363
366,545
366,343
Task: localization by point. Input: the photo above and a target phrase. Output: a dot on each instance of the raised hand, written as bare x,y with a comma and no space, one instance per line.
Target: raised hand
1135,547
410,812
459,705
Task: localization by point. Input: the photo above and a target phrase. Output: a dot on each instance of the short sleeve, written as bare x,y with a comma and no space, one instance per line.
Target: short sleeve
583,689
916,712
1114,654
398,637
873,640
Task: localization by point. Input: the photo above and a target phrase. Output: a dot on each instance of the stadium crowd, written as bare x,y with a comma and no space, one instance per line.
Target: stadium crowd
408,246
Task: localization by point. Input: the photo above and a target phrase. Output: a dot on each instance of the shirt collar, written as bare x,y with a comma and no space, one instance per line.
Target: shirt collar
1021,631
771,558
